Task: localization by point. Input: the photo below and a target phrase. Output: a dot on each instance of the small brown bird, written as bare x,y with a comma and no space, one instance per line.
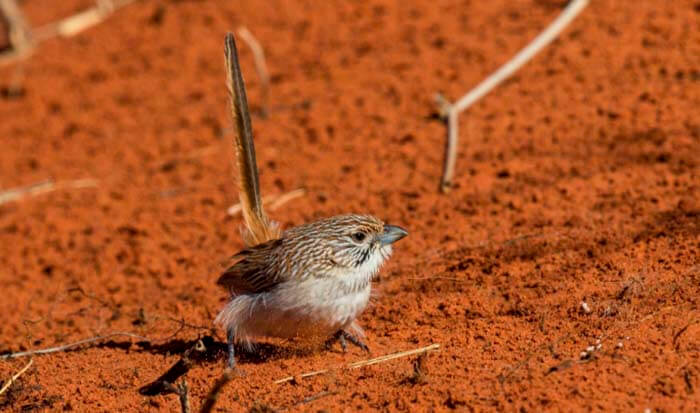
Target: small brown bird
313,280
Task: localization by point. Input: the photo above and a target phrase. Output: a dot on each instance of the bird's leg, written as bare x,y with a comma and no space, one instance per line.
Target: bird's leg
230,336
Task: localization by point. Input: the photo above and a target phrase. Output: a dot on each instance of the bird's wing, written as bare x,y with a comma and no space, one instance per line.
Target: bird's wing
253,270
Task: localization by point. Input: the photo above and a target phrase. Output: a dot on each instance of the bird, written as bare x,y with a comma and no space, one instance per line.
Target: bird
312,280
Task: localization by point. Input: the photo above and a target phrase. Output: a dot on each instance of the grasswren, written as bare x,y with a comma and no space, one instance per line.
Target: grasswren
313,280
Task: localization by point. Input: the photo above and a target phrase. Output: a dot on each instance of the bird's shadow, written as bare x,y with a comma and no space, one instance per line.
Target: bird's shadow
217,350
206,350
214,349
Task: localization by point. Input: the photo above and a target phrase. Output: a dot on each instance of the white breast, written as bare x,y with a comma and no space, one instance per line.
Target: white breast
310,307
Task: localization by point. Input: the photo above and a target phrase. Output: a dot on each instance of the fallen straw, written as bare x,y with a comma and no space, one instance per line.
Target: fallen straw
25,39
15,377
72,25
450,111
260,65
363,363
43,187
71,346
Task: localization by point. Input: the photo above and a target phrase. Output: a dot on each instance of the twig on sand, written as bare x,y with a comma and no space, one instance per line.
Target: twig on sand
164,383
275,201
681,331
71,346
183,394
260,65
213,395
24,40
20,36
72,25
43,187
15,377
363,363
184,397
449,112
510,370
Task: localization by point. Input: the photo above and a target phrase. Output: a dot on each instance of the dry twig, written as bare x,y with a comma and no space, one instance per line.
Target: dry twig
43,187
72,25
183,394
213,395
681,331
510,370
363,363
21,42
420,370
24,40
164,383
71,346
450,111
260,65
15,377
275,201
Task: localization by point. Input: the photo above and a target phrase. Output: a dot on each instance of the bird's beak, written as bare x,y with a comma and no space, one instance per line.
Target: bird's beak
391,234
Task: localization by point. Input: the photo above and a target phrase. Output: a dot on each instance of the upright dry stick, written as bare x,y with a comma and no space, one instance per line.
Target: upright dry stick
213,395
21,41
260,65
451,111
183,394
28,39
72,25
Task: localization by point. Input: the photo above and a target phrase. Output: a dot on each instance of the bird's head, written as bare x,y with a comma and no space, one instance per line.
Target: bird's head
360,242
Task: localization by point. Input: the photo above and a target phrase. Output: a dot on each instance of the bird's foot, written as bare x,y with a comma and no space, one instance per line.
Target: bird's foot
343,337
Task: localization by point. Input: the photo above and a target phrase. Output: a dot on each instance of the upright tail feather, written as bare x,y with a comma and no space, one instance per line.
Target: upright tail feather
259,228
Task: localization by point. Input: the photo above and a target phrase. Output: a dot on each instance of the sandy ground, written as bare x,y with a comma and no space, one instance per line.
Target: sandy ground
577,182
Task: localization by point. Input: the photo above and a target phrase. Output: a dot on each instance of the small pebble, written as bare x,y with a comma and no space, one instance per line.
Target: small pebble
584,306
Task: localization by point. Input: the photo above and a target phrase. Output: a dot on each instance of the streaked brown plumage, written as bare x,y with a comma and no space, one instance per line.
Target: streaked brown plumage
311,280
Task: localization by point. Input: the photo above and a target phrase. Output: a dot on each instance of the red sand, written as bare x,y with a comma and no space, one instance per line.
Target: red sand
577,181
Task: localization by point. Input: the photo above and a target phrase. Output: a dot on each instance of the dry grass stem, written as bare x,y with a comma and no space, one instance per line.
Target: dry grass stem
21,41
163,384
274,201
183,394
450,111
260,64
43,187
72,25
71,346
364,363
24,40
15,377
510,370
213,395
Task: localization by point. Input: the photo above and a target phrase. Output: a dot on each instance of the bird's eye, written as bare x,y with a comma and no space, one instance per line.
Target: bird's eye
359,236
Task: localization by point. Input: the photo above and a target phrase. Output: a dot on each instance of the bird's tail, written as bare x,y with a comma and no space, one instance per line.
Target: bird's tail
259,227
